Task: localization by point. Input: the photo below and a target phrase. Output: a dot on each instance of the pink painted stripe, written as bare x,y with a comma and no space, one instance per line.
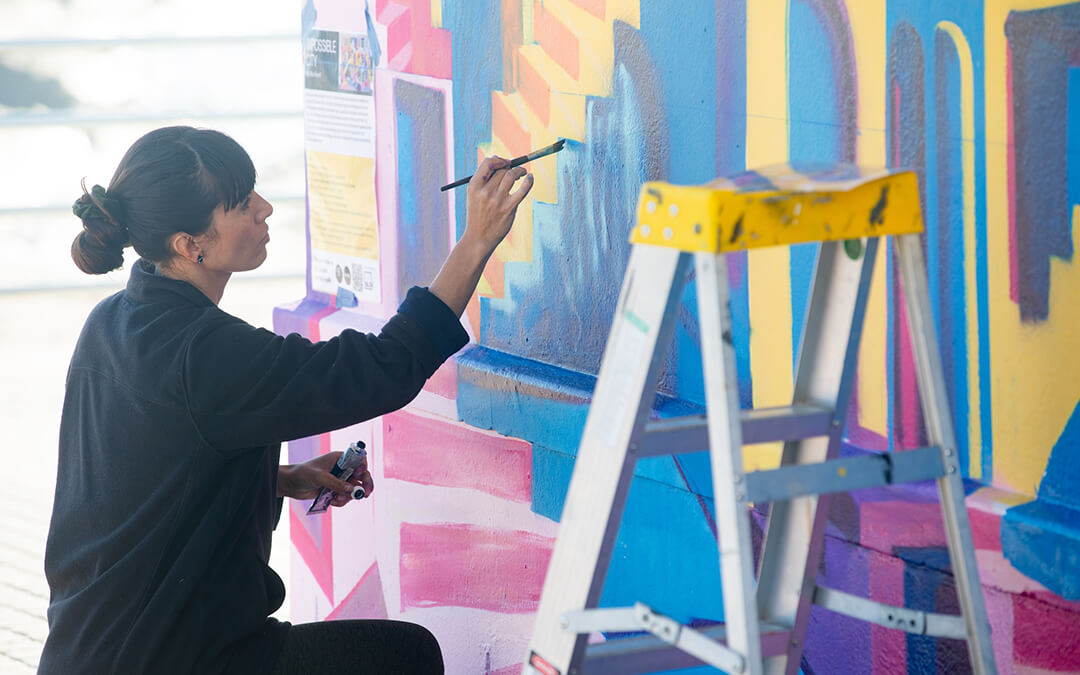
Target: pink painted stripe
314,321
364,601
453,564
444,381
909,424
317,558
435,452
888,646
883,528
1044,637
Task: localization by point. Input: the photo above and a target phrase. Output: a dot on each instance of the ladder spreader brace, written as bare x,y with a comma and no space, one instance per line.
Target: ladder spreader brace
766,618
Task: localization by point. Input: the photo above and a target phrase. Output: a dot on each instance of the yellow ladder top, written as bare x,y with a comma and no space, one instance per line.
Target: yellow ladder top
778,205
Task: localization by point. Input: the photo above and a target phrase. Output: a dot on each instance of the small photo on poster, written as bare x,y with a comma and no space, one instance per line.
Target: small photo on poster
321,60
356,67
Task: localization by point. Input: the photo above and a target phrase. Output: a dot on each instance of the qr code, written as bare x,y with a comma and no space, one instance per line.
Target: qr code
363,278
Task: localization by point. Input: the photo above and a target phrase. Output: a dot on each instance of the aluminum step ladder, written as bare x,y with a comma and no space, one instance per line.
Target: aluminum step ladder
841,206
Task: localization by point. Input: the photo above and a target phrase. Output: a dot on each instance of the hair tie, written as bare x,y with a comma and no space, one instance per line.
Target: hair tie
98,202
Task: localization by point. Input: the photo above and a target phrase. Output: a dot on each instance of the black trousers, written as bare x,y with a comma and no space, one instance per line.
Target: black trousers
363,647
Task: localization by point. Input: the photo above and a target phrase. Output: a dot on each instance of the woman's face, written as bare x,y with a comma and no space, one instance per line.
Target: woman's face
237,238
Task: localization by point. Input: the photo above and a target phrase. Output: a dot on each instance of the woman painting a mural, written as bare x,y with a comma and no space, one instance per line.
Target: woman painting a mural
169,483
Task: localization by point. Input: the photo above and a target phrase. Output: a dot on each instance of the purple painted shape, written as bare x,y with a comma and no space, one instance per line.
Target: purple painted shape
836,643
1041,43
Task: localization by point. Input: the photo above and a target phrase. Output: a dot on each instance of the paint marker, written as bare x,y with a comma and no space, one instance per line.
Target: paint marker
517,161
345,466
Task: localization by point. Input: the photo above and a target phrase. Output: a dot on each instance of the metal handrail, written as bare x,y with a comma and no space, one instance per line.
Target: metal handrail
192,40
83,118
60,208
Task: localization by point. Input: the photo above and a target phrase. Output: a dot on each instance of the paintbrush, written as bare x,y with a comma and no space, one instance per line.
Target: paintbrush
517,161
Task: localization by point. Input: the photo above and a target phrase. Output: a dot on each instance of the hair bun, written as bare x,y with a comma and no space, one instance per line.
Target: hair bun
99,248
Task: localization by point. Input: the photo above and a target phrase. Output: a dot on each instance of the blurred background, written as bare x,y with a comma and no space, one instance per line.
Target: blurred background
80,80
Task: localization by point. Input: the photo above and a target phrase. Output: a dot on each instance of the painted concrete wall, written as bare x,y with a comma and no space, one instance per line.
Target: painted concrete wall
981,98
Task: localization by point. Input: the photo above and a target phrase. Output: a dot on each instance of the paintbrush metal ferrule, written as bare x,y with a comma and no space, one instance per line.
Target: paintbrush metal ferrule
517,161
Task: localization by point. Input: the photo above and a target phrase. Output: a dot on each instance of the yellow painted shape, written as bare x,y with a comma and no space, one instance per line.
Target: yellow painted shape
721,217
870,44
872,387
768,283
528,34
967,150
436,13
596,40
568,115
625,10
1036,383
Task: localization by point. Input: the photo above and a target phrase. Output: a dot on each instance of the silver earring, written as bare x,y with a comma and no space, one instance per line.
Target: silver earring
199,259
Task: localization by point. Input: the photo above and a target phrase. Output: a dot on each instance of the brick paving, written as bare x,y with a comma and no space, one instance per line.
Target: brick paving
37,334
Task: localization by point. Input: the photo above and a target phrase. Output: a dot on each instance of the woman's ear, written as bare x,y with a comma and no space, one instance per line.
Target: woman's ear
183,245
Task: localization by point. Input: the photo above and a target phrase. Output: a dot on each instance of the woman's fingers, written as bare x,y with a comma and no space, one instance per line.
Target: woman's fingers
487,168
517,195
510,177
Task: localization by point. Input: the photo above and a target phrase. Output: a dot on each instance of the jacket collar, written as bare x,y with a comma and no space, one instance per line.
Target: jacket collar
145,285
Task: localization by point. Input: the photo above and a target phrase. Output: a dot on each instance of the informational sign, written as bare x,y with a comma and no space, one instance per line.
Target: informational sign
339,131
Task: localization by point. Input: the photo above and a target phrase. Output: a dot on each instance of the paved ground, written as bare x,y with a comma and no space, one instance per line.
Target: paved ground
37,333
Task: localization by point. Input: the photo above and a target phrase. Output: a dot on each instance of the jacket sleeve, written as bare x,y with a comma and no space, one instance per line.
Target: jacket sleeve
248,386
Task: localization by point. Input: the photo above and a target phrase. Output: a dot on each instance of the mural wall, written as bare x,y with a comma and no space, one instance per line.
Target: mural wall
980,98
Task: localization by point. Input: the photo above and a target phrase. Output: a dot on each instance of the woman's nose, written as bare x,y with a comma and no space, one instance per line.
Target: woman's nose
267,207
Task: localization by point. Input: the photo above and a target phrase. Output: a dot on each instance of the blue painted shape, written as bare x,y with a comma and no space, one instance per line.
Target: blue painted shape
682,46
548,406
406,176
476,50
551,471
813,134
945,225
930,591
1072,142
372,36
665,555
1042,538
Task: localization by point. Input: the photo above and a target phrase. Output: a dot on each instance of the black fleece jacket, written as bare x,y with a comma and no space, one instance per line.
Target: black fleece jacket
166,486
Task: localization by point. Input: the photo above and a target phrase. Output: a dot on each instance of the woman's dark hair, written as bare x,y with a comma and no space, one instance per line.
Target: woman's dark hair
169,181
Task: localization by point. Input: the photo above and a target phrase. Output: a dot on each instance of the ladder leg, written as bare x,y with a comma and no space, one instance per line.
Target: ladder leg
625,391
725,452
939,429
794,535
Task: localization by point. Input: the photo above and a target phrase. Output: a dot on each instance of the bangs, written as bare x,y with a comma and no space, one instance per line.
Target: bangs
226,169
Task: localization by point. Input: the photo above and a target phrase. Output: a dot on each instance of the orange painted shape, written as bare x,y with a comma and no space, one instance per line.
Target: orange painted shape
472,312
557,40
597,8
505,125
493,274
535,90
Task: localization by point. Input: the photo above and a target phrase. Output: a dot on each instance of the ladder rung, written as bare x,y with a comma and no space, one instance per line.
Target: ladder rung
901,618
845,474
648,653
762,425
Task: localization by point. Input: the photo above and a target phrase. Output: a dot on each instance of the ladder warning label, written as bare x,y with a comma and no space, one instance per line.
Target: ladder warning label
539,665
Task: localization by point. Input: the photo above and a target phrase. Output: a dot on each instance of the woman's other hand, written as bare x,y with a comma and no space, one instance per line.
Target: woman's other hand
302,481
